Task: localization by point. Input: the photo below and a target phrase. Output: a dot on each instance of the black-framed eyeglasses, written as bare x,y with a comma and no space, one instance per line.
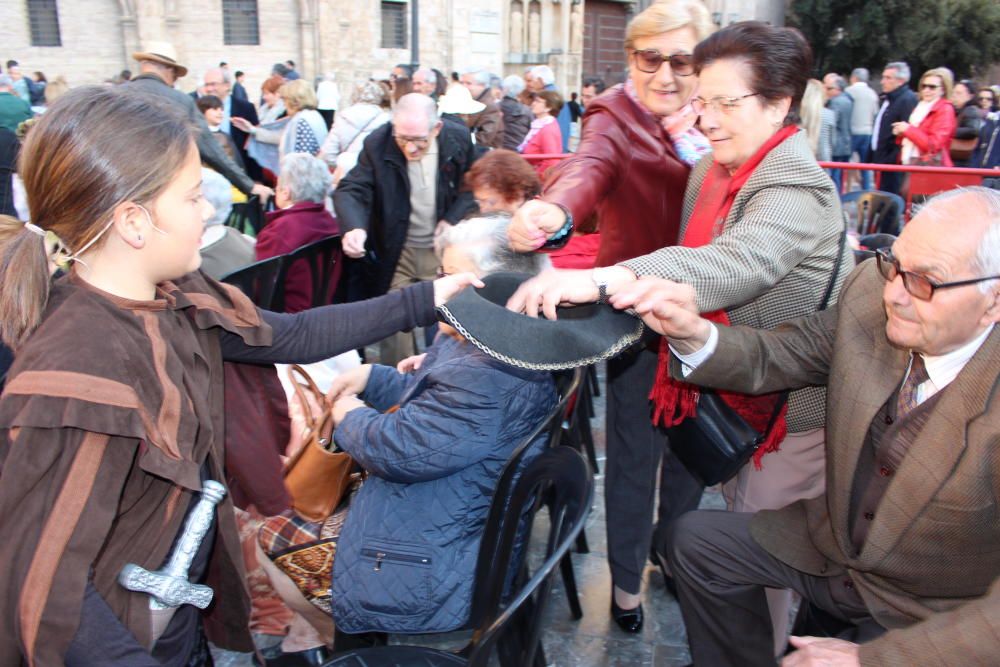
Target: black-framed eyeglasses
718,104
919,286
987,98
651,60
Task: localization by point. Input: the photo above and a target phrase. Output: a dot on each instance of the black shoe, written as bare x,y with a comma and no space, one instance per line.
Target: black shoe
629,620
668,579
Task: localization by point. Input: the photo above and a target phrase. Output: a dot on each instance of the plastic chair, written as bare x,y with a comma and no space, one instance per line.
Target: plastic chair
247,217
878,212
323,261
260,281
560,474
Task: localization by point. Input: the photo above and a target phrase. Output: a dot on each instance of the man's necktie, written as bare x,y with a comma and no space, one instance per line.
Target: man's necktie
907,399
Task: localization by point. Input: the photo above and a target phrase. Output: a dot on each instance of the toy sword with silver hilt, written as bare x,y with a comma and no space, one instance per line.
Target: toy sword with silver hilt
169,587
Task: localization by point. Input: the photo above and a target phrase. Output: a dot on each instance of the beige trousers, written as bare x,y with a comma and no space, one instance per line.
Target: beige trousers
415,265
795,472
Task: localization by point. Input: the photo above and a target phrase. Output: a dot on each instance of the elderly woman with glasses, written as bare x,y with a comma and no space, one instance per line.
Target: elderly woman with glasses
926,136
760,241
627,179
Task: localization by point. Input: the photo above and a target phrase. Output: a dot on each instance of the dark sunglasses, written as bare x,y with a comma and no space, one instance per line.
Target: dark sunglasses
932,86
651,60
919,286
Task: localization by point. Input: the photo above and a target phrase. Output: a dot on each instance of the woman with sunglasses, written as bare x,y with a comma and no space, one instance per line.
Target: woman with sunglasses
926,137
760,241
627,178
987,100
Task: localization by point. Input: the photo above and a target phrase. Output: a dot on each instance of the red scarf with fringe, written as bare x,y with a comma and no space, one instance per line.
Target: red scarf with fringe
674,400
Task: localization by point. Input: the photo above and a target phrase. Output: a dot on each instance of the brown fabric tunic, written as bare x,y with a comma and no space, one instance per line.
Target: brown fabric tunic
111,409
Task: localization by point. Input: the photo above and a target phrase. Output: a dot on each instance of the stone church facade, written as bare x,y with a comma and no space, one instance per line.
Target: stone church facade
94,40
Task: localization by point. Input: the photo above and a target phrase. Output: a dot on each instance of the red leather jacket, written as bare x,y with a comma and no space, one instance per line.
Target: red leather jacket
934,133
627,171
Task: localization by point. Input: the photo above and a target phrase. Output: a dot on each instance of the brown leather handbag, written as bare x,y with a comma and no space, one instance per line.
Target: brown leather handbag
318,476
962,149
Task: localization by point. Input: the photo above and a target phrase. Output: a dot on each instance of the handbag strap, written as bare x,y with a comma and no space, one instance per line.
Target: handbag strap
295,370
780,403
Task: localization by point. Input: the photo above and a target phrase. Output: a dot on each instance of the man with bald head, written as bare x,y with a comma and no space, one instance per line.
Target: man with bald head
408,182
902,550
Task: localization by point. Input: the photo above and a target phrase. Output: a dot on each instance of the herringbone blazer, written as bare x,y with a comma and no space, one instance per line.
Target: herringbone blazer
775,256
930,566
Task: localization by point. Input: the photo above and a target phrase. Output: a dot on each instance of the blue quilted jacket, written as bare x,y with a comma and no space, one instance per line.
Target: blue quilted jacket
406,556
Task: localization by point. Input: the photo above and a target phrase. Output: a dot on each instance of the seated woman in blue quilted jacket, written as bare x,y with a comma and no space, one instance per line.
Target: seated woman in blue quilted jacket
406,552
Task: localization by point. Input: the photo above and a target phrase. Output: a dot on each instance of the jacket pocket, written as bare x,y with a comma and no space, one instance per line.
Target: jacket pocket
396,578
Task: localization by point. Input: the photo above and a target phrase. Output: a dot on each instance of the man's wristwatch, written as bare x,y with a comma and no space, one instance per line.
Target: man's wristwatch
601,278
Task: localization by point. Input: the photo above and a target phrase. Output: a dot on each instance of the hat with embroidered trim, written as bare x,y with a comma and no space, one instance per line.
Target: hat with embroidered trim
582,335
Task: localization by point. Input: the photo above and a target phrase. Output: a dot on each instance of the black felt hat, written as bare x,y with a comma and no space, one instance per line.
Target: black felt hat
581,335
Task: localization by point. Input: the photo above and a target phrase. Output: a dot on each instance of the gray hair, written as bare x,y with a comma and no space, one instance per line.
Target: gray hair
839,82
415,103
368,92
481,75
978,200
902,70
861,74
513,85
226,77
219,193
428,75
483,239
544,73
306,177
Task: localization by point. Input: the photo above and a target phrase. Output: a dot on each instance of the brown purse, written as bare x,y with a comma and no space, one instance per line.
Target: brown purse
317,477
962,149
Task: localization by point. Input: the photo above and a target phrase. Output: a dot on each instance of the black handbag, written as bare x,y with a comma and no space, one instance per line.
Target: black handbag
716,442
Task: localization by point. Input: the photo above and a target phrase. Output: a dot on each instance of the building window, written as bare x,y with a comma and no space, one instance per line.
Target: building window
239,22
393,25
43,15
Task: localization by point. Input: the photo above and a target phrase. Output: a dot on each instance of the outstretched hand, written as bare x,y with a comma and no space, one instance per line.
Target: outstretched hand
553,288
532,224
668,308
816,651
449,286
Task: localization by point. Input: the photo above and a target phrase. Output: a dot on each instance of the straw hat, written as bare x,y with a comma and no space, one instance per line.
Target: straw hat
163,53
581,336
458,99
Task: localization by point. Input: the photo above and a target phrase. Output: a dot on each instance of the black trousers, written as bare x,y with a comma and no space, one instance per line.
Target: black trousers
721,573
634,451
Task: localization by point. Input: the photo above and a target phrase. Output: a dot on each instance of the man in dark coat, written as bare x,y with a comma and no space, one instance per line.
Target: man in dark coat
898,102
516,116
406,184
159,70
217,83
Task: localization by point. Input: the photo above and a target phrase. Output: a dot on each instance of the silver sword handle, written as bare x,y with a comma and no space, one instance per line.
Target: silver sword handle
196,526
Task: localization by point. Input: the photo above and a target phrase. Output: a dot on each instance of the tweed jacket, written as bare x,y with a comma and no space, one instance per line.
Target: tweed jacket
775,255
930,567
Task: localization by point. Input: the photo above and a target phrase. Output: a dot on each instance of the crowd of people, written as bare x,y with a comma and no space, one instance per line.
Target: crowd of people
689,195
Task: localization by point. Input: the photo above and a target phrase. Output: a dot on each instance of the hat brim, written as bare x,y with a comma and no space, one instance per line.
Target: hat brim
155,57
582,335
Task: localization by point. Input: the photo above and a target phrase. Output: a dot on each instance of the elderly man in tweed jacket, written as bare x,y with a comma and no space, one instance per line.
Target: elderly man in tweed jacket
905,544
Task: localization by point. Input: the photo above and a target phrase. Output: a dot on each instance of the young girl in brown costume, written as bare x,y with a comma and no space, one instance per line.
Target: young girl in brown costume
112,416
